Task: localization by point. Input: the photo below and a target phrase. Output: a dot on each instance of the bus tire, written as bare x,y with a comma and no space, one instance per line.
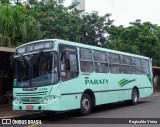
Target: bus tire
86,104
134,95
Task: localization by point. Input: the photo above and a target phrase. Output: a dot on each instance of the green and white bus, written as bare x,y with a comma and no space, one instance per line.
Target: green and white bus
59,75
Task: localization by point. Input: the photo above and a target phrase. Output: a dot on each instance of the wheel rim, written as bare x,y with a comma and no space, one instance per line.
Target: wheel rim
85,104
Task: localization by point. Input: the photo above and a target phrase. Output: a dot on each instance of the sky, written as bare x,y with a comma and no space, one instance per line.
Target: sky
125,11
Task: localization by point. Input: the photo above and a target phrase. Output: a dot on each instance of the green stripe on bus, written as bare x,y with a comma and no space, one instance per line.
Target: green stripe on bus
121,80
128,82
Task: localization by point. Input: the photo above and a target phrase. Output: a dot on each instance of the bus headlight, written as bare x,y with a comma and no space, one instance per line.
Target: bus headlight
48,99
17,100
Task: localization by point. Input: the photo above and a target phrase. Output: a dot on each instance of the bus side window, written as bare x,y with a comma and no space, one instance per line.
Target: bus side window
100,62
127,65
73,65
62,65
145,66
115,63
86,60
137,67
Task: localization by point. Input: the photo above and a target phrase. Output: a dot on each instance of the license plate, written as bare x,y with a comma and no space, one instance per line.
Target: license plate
29,107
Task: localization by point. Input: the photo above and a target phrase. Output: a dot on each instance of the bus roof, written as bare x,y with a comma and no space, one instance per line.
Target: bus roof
87,47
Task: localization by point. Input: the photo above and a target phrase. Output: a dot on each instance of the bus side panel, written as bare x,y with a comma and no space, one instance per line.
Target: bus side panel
69,102
124,95
105,98
71,92
113,87
113,96
145,92
98,97
145,89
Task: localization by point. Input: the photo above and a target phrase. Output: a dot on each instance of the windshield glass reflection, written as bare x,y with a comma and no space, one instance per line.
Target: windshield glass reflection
39,69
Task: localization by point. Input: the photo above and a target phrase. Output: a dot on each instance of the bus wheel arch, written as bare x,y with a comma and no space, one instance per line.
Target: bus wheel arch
87,102
134,96
91,94
136,88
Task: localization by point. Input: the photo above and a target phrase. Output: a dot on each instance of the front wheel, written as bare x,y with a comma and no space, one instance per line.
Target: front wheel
134,99
86,104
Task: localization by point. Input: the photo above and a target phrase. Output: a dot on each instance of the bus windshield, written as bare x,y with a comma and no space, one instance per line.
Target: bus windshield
36,69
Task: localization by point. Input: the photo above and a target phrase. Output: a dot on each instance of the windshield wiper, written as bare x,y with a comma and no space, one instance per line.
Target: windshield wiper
35,59
21,59
31,65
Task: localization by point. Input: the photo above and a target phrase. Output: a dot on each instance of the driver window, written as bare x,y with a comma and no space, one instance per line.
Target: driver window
68,62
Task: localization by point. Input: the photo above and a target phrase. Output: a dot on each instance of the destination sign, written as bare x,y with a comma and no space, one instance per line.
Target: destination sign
35,46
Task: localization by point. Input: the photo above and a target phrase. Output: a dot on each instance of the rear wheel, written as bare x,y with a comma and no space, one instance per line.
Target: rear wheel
134,99
86,104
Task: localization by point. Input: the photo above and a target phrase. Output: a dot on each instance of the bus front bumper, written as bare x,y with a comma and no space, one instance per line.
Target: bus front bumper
52,106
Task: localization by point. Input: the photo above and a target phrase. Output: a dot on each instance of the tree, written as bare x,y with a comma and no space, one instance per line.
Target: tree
2,2
139,38
16,27
55,20
95,28
61,22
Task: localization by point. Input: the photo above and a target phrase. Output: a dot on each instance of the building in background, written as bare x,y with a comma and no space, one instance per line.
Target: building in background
80,5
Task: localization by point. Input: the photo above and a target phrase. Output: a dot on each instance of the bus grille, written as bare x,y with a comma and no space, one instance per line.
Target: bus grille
30,100
31,97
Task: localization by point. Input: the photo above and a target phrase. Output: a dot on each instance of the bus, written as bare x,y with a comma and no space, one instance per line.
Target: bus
58,75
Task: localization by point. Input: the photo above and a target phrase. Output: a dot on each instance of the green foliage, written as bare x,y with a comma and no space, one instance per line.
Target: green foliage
95,28
67,23
16,27
49,19
3,2
54,19
139,38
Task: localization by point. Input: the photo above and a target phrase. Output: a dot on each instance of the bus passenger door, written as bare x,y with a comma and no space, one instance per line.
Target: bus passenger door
69,73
